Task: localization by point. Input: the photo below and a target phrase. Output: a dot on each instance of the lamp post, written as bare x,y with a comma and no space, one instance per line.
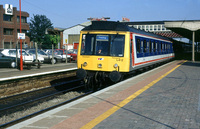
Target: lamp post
21,61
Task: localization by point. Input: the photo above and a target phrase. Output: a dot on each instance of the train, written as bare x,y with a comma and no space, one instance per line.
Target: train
109,49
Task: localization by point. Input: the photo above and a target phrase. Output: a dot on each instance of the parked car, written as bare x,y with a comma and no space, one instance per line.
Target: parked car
70,54
12,52
8,61
33,53
59,52
40,58
73,53
57,56
47,50
47,56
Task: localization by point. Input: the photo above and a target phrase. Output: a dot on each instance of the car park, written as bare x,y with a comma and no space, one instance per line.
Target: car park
7,61
12,53
47,56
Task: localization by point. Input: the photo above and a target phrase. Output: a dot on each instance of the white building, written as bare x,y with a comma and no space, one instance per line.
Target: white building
71,35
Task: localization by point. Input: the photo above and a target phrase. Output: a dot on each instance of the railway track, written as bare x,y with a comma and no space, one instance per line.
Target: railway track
17,108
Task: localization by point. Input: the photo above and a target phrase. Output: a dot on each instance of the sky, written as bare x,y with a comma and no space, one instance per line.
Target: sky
68,13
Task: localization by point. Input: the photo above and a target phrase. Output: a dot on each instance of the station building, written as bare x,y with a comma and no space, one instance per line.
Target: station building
10,27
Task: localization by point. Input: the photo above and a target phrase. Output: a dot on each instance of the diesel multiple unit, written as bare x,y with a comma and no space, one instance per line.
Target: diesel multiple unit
111,49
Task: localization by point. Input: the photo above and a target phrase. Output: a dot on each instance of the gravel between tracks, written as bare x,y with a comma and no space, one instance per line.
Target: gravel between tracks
39,106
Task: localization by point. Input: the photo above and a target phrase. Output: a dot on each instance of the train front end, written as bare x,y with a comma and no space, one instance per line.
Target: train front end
103,54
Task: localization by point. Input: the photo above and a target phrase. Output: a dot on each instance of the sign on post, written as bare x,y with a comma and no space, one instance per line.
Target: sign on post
21,35
8,9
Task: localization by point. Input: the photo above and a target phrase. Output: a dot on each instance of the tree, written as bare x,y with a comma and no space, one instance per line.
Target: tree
38,26
54,39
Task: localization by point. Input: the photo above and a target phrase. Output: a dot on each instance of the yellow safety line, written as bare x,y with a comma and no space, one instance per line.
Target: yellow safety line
112,110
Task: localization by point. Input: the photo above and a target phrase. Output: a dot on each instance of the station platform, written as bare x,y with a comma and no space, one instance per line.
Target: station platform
8,73
167,97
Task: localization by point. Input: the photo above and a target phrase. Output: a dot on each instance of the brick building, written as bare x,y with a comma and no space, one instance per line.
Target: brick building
10,27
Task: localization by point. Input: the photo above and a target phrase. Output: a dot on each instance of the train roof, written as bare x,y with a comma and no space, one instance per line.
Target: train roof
118,26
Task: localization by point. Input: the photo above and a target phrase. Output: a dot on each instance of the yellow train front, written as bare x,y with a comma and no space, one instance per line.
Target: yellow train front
104,51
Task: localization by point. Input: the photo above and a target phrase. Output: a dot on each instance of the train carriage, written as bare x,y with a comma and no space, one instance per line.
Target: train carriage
111,49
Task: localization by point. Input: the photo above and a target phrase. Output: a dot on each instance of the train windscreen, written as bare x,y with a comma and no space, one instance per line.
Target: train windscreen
103,44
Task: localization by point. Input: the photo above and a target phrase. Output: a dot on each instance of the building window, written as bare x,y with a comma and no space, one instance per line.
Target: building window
143,27
7,17
8,31
23,19
163,27
155,27
147,27
151,27
159,27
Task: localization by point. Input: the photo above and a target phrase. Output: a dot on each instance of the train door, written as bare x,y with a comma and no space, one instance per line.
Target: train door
132,49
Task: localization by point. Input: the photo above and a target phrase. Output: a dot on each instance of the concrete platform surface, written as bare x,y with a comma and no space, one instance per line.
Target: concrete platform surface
8,73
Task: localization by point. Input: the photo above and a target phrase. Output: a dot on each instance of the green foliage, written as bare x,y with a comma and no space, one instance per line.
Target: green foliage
54,38
49,39
38,26
47,42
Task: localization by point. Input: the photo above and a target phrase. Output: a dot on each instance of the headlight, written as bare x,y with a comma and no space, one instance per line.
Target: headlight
85,64
115,65
99,65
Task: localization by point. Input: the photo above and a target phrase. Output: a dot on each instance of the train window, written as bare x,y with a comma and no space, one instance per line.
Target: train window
87,44
104,45
164,47
154,46
141,46
150,46
145,46
157,46
167,48
138,45
117,45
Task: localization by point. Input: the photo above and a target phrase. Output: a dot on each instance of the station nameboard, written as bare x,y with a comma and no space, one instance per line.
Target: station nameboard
21,35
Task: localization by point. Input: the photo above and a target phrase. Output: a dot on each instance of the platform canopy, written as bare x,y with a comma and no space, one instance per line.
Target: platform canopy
185,28
189,29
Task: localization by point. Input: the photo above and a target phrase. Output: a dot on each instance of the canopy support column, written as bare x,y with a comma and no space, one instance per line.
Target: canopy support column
193,40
